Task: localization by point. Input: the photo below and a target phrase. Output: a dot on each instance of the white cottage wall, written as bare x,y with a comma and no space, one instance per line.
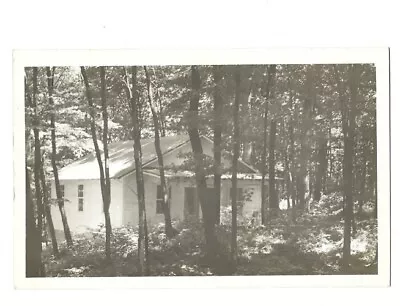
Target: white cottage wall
92,214
130,207
130,202
124,209
252,203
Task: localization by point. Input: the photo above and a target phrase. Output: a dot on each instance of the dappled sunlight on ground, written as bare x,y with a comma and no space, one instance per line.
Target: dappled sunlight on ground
312,245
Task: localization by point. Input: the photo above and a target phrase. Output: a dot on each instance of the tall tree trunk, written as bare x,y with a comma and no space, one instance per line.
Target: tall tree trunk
271,76
246,125
304,146
273,200
301,182
107,184
60,200
310,176
291,154
33,244
348,125
288,179
218,106
208,212
321,167
169,231
361,194
103,184
374,174
287,175
348,204
47,210
236,147
330,154
161,120
38,159
143,252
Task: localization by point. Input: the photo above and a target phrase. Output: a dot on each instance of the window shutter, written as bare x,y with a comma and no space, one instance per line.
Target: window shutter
80,197
159,192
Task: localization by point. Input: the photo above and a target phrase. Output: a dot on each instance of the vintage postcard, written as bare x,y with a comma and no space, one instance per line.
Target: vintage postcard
209,168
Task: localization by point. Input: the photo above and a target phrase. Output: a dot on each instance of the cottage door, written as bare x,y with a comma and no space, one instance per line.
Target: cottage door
191,206
211,197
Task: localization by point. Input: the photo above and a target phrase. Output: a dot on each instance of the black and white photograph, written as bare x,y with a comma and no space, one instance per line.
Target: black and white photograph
253,167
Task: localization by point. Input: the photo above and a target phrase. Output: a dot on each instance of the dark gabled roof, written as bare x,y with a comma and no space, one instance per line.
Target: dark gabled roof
121,158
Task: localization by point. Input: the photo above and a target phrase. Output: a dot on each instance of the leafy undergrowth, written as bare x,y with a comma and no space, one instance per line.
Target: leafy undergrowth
311,245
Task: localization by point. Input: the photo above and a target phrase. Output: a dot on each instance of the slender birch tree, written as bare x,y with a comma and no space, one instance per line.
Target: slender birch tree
103,168
236,148
165,201
218,108
143,242
60,200
270,78
208,212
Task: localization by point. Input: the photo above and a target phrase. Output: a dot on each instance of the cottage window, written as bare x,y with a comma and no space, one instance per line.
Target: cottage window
159,208
239,198
80,197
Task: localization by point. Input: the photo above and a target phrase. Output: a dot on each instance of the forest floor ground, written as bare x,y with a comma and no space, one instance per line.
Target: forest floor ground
312,245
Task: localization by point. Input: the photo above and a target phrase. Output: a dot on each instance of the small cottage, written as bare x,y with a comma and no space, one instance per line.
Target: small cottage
82,196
